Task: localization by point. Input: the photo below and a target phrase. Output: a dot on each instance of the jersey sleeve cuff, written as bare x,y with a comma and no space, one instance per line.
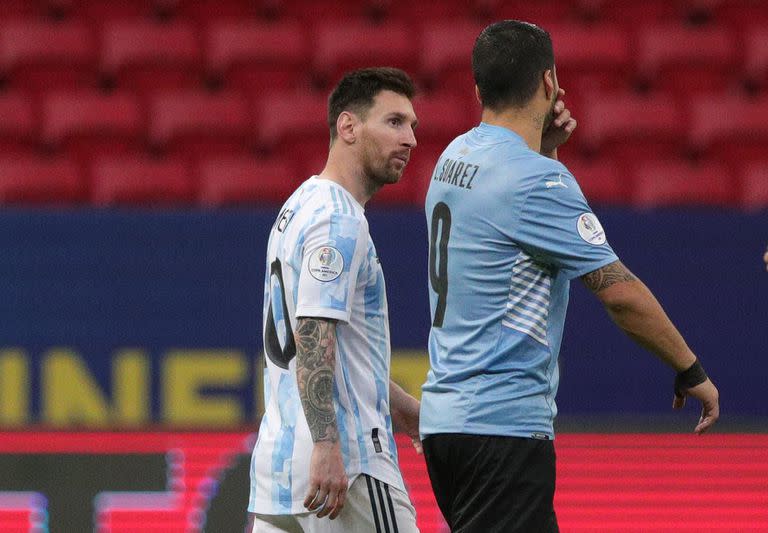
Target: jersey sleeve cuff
591,267
322,312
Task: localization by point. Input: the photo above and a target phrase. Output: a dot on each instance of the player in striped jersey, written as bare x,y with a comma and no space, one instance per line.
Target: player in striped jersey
325,459
508,229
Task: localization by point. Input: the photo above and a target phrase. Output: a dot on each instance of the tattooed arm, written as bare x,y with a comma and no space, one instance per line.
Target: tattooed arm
635,310
315,364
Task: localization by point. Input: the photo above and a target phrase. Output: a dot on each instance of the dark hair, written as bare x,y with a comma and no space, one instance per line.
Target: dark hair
507,62
356,91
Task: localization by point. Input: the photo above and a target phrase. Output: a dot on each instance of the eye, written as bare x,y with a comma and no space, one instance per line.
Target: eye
395,121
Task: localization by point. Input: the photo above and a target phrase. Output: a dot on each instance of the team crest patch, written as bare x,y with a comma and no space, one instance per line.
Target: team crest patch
326,263
590,229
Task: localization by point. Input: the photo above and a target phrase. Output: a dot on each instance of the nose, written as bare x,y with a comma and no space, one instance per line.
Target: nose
410,139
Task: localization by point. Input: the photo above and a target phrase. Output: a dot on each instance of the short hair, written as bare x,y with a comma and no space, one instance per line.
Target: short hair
356,91
508,60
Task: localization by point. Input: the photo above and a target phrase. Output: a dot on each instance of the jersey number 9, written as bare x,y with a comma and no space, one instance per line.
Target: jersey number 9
439,233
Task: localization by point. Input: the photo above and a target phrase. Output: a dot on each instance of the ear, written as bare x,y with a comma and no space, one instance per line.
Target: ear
477,95
549,83
345,127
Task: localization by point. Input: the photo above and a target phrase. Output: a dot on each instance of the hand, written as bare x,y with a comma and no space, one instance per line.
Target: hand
561,127
710,401
765,258
327,480
408,422
405,414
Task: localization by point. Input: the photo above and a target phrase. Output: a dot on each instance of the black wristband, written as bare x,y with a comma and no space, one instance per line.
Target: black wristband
692,376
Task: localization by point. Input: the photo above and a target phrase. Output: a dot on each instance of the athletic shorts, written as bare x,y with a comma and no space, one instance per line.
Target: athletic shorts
490,484
370,507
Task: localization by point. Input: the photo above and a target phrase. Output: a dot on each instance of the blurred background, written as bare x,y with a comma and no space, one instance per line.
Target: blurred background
146,146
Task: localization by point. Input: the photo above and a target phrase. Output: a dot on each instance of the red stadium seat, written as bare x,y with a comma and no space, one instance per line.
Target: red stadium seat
540,12
245,180
595,56
330,10
142,55
342,47
741,13
204,11
730,127
756,55
257,56
18,127
135,181
287,119
603,181
31,180
42,55
446,53
443,116
99,11
754,185
631,13
629,125
679,183
196,122
686,59
88,122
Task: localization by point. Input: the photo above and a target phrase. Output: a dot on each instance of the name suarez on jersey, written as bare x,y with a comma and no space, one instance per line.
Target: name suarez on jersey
458,173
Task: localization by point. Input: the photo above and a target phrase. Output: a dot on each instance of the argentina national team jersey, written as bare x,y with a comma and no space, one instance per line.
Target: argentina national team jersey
508,230
321,263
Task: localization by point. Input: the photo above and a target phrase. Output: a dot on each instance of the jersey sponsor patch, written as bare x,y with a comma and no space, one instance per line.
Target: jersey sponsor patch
590,229
325,263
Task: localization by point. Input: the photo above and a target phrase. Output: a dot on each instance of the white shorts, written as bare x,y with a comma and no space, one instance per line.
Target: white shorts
370,506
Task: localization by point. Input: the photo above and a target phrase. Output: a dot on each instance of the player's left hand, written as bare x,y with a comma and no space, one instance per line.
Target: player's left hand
561,127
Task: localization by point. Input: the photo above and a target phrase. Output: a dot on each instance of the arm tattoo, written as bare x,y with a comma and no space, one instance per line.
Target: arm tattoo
315,361
604,277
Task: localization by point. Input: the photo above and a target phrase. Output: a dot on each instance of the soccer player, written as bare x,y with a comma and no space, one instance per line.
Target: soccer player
325,459
508,229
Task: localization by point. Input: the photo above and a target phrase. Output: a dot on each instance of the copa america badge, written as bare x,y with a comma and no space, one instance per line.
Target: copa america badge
590,229
325,263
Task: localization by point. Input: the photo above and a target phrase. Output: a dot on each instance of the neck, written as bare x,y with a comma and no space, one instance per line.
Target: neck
526,122
344,169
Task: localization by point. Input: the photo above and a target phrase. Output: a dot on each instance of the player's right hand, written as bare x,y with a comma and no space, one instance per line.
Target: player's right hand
327,480
707,394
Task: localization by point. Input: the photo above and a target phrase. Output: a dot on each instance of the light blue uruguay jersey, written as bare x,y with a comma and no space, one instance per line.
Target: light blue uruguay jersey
321,263
508,230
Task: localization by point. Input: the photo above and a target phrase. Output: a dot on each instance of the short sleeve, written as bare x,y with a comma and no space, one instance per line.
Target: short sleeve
332,251
557,227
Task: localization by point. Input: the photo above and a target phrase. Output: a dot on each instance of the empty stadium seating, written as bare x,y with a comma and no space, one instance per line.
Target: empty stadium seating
142,55
41,55
140,181
245,180
30,181
675,183
194,122
246,81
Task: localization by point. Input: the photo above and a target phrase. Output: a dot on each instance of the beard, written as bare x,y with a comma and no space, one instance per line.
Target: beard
550,115
380,170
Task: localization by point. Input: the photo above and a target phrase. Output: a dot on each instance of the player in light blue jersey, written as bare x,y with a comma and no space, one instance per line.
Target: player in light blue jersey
509,228
326,460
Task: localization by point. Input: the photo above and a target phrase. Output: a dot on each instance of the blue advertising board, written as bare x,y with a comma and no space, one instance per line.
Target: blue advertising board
124,318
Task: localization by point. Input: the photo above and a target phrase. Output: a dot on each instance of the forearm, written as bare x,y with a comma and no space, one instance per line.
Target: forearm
632,306
403,407
641,317
315,364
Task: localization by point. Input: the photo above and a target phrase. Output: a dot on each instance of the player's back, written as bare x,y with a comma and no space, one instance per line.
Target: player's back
498,292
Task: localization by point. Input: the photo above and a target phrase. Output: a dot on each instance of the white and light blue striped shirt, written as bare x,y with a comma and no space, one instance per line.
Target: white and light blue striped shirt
321,262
